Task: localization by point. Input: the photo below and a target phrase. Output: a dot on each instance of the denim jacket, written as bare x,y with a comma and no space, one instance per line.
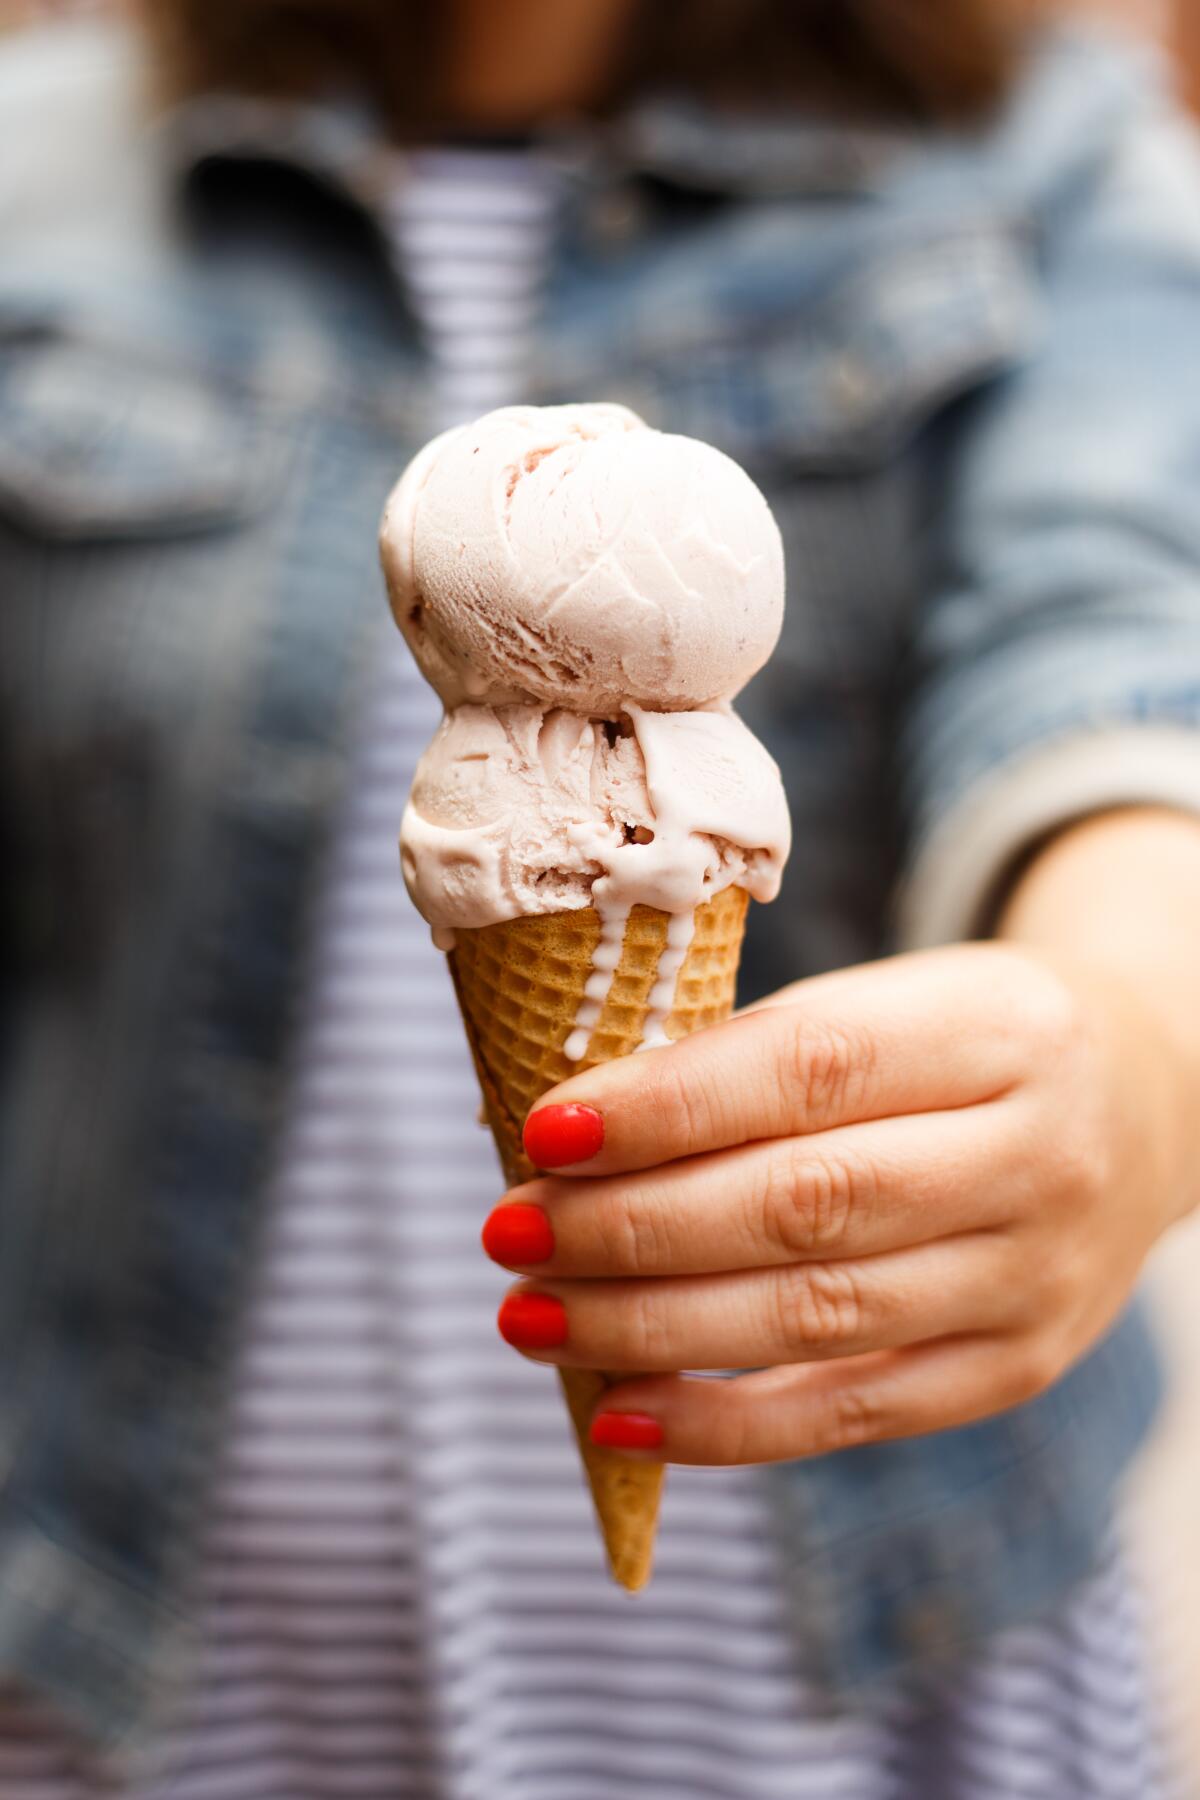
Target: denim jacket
965,367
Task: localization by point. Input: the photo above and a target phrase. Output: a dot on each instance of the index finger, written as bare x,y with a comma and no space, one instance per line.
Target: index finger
886,1038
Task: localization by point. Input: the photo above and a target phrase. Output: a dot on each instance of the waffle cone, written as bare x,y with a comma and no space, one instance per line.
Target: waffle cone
519,985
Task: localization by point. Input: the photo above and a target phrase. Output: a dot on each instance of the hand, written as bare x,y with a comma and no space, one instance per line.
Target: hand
917,1190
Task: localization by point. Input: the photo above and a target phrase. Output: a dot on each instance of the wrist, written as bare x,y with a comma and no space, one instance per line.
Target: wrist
1147,1081
1112,901
1156,1072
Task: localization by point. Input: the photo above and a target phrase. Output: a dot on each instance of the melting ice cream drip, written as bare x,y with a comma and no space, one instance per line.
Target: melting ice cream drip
680,928
605,958
534,640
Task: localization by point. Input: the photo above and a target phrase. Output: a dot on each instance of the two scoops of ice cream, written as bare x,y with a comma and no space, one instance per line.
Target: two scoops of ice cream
587,596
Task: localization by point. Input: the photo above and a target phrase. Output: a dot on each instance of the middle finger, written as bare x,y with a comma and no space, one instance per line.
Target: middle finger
856,1191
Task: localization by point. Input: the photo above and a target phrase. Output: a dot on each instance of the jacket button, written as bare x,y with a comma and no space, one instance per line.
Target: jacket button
615,217
852,385
928,1627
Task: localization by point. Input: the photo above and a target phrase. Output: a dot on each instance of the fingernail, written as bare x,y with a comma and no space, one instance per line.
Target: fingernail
533,1322
625,1431
518,1234
557,1135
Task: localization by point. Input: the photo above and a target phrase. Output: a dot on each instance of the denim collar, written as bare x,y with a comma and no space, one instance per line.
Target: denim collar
340,143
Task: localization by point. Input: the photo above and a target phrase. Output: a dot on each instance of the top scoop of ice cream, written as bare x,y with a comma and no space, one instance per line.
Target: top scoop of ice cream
573,556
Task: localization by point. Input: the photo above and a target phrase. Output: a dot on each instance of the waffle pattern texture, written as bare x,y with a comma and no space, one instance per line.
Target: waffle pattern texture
519,986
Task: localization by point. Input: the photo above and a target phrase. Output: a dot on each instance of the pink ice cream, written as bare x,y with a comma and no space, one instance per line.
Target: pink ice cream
571,555
587,595
516,810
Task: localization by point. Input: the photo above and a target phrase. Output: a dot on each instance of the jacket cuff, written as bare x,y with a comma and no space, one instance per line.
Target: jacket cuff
956,876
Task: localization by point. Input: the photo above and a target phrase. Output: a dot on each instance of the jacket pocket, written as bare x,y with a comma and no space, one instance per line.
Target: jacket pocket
100,439
840,374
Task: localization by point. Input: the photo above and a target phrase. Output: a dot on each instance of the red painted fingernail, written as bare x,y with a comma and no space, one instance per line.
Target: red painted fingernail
557,1135
518,1234
533,1322
625,1431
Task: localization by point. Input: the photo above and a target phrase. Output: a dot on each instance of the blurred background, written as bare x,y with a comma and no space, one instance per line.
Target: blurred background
1165,1517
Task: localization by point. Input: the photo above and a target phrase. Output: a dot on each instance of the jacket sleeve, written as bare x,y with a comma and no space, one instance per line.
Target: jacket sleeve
1056,662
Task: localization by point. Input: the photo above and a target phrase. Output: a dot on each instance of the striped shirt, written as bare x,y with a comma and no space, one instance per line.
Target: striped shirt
400,1586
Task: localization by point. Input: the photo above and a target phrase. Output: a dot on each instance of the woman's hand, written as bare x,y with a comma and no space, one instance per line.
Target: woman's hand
917,1190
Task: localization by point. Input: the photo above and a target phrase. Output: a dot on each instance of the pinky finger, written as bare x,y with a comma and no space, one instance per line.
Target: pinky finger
809,1409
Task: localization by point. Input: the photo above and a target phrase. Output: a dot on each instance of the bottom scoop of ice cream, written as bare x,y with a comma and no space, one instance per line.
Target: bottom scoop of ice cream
517,810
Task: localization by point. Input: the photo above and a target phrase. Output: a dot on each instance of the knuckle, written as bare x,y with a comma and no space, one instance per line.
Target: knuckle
1047,1287
672,1105
1052,1015
1034,1012
633,1234
830,1067
809,1202
849,1416
691,1102
783,1224
820,1308
733,1438
644,1336
1079,1168
1033,1367
840,1189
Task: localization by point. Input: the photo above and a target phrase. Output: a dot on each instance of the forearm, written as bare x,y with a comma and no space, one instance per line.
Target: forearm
1120,892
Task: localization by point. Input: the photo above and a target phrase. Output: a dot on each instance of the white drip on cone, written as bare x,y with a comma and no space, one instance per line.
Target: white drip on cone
680,929
605,958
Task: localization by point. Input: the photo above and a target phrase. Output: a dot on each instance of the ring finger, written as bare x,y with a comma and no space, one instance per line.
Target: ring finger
800,1313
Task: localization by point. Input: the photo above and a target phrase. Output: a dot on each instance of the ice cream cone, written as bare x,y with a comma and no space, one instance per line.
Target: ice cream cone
519,985
587,596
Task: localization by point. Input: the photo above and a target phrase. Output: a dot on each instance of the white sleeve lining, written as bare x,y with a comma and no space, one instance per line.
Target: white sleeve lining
956,873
